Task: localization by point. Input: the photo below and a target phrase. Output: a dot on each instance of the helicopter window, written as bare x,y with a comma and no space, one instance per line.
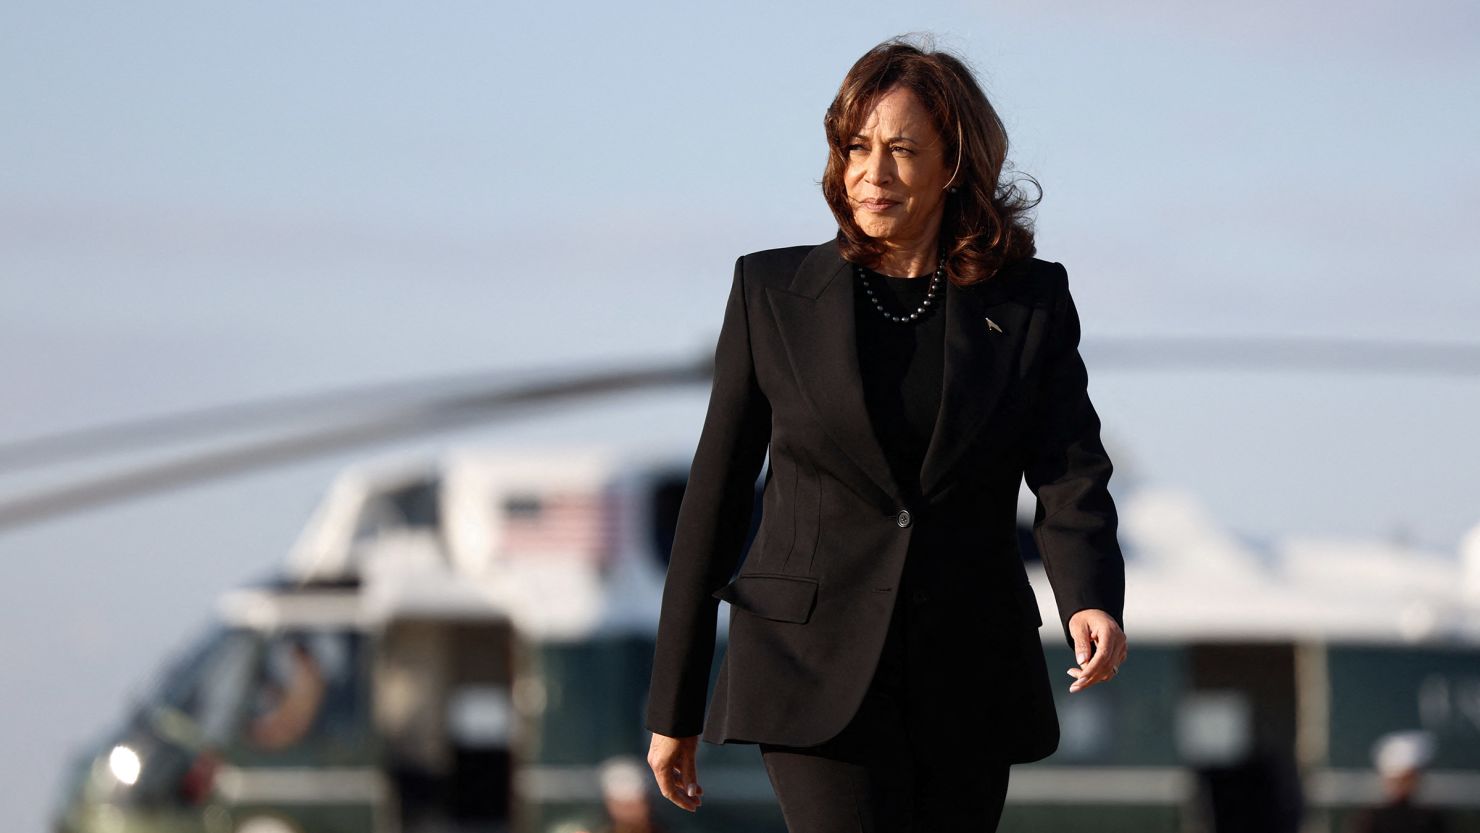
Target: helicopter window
206,684
172,683
306,689
412,507
526,507
418,504
667,498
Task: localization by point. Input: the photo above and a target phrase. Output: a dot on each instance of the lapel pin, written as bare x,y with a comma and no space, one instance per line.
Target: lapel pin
992,325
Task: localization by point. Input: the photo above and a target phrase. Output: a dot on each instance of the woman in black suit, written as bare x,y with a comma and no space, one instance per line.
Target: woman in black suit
904,378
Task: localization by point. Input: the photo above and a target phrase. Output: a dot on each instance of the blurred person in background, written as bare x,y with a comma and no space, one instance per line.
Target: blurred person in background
1400,758
1260,794
292,692
905,378
624,791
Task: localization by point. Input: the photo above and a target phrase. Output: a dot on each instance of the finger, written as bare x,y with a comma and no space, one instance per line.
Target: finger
1083,646
690,782
1098,666
1118,651
1081,678
1085,682
1110,648
1098,671
671,783
673,790
1111,669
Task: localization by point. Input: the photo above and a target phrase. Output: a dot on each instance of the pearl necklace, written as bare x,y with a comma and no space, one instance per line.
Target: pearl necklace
925,305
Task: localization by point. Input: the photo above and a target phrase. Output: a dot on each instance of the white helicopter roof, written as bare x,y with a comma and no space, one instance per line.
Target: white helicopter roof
1187,576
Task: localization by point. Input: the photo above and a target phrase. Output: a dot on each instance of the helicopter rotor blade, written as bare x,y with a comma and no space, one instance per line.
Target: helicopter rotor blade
394,423
172,428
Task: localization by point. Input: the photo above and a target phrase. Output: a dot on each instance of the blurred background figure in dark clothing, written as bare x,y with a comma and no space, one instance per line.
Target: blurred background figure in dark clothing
1400,758
1259,794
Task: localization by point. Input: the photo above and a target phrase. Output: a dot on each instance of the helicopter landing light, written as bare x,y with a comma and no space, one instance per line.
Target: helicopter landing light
125,765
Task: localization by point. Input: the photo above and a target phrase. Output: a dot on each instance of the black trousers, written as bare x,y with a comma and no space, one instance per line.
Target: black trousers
895,767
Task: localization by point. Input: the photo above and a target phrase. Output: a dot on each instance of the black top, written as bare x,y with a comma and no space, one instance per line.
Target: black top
902,366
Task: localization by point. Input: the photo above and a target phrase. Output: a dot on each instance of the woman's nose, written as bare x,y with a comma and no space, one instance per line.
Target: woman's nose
878,170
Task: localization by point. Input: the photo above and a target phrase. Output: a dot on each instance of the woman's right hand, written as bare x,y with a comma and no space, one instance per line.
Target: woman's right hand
672,762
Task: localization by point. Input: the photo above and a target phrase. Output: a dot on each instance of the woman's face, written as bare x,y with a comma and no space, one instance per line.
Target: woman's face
897,174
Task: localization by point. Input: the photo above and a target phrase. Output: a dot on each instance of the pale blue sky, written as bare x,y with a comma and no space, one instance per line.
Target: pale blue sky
207,204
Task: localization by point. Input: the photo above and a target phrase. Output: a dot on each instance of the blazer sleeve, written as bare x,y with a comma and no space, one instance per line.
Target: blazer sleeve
1068,470
713,519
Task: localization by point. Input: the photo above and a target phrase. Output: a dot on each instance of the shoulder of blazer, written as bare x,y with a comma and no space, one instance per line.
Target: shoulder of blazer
1033,281
774,267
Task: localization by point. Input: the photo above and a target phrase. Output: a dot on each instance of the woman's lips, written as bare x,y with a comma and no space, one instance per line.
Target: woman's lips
877,205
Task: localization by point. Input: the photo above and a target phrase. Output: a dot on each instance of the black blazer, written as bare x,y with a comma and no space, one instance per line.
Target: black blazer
811,603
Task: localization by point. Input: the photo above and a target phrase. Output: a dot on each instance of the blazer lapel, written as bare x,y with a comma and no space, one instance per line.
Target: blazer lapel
815,317
814,314
978,364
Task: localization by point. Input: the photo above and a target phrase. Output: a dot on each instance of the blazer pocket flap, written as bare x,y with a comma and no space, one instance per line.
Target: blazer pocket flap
780,597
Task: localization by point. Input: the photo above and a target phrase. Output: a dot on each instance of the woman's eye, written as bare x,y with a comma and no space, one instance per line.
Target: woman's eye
853,148
901,149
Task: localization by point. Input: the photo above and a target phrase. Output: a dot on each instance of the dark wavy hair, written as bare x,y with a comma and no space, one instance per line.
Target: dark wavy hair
986,220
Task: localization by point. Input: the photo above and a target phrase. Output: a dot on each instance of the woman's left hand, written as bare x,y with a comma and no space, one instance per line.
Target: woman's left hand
1095,630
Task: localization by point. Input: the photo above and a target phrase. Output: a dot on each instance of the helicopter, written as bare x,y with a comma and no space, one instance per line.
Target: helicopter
457,641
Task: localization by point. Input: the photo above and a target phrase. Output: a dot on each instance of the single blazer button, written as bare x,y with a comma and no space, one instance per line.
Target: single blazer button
903,518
